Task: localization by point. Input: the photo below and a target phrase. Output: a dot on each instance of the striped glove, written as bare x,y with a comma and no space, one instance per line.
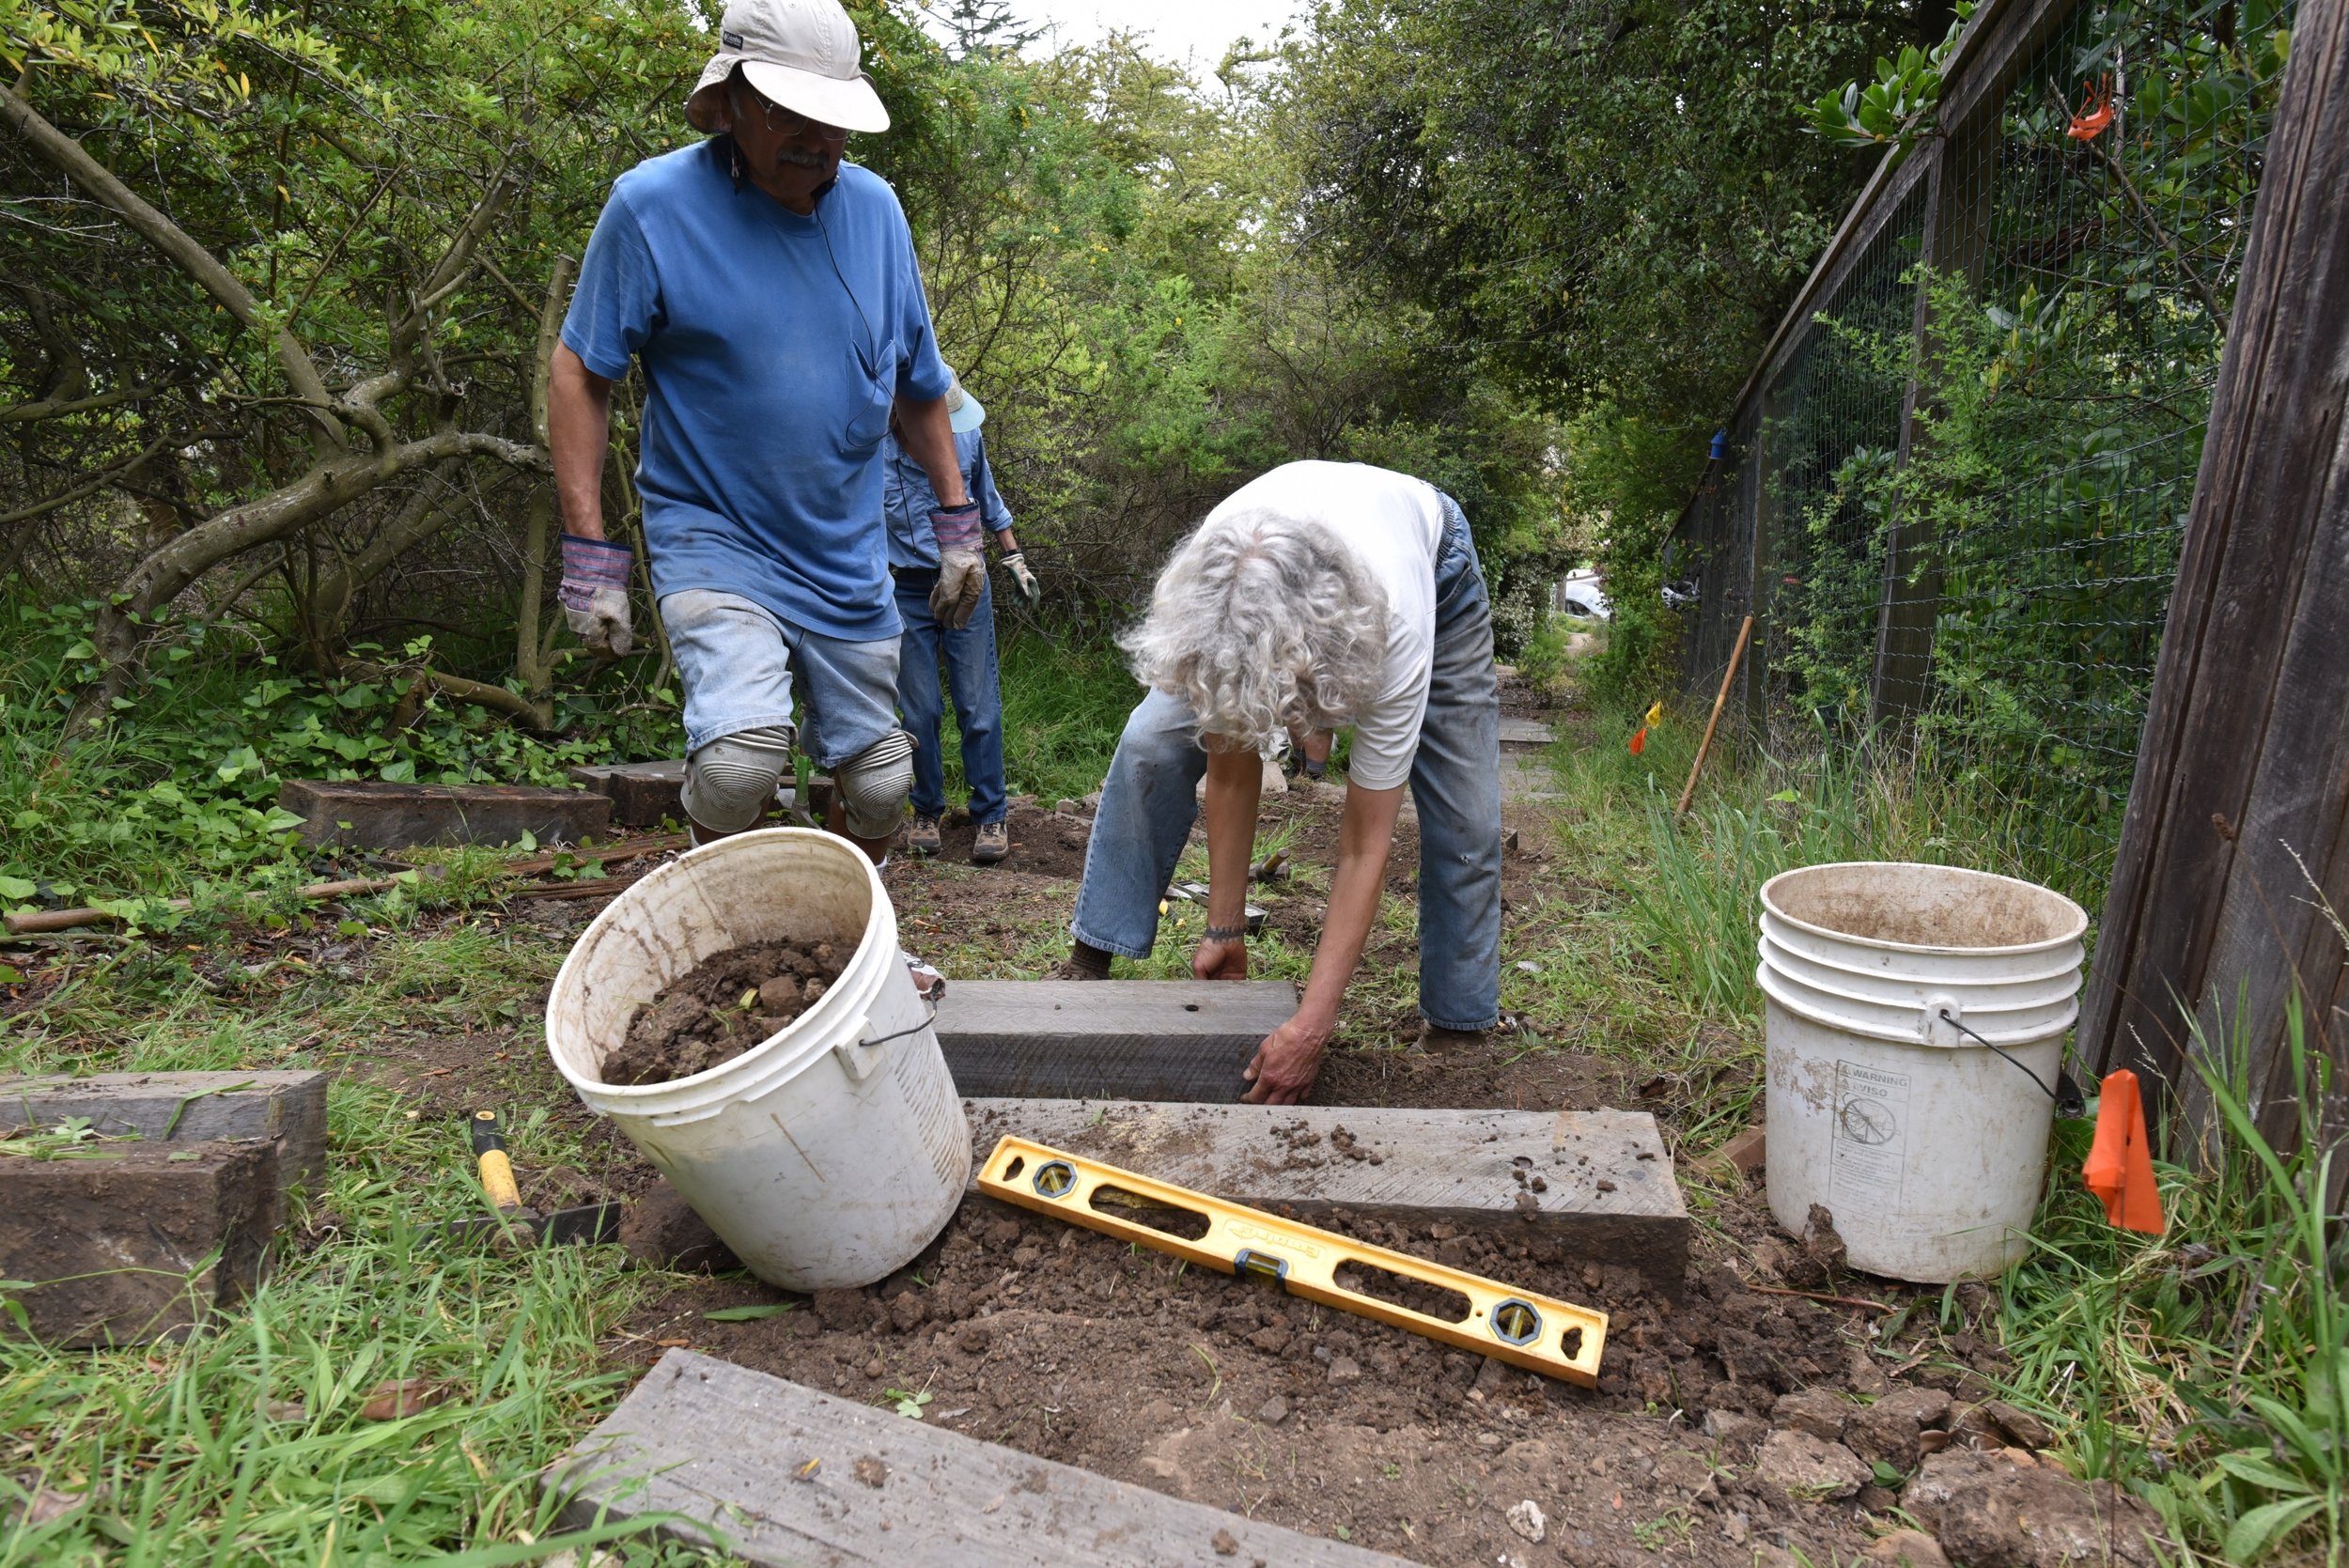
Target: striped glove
594,594
961,565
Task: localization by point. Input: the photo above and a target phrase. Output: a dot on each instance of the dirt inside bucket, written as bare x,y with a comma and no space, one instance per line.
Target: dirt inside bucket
721,1009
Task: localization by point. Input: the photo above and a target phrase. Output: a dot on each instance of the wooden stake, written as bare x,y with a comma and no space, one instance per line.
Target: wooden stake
1713,724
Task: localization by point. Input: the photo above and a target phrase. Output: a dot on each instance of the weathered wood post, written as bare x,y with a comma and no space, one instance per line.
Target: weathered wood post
2240,798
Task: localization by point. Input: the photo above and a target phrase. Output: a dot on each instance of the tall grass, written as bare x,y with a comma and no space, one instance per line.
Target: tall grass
1698,900
1065,704
2207,1370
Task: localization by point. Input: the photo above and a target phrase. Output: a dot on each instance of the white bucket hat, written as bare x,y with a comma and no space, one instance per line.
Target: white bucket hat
964,413
801,54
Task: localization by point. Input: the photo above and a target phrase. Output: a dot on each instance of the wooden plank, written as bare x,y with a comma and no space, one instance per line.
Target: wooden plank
785,1477
2244,770
1524,732
1455,1166
1107,1039
385,816
288,1107
641,793
131,1242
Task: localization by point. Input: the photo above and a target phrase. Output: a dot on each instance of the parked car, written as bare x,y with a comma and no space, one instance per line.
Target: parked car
1582,595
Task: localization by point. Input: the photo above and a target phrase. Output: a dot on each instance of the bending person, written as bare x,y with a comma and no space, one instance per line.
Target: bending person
1318,596
969,651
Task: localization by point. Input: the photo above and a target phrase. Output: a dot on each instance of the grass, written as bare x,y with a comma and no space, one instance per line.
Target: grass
246,1441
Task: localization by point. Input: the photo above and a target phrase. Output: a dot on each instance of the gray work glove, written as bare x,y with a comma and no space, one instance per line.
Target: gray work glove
594,594
961,565
1016,562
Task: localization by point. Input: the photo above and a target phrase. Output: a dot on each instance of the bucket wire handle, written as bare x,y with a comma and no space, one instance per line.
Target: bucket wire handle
2066,1094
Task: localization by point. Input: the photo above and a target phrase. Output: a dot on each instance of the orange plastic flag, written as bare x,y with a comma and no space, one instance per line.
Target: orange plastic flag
1638,741
2120,1166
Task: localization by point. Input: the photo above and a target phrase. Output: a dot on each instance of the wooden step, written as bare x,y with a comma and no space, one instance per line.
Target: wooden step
778,1474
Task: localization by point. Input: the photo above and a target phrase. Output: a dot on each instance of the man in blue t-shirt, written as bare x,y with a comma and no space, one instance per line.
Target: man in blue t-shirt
970,653
771,294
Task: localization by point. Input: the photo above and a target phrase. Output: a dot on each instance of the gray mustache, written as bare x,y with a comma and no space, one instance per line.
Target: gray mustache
799,160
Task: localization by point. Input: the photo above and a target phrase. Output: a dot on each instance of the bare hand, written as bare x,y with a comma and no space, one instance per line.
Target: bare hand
1219,961
1287,1064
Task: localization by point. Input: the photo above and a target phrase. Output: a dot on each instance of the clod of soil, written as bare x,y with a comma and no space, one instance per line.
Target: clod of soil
721,1009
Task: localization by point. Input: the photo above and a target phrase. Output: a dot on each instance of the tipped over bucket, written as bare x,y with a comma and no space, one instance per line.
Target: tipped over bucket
825,1156
1915,1025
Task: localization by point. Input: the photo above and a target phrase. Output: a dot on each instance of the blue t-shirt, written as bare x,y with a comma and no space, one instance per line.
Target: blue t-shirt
907,500
773,346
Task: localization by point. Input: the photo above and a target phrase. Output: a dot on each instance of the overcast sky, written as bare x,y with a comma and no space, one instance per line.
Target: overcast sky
1200,29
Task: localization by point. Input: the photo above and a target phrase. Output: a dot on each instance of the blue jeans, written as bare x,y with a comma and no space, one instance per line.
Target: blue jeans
978,702
1148,804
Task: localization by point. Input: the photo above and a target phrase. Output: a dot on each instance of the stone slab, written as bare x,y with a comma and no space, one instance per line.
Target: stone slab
1107,1039
134,1241
383,815
1460,1166
641,793
779,1474
288,1107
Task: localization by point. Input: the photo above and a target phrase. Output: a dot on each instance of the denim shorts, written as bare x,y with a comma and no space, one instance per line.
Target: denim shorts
737,659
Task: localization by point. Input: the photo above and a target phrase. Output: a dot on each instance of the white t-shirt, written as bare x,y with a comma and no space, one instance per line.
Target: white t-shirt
1395,524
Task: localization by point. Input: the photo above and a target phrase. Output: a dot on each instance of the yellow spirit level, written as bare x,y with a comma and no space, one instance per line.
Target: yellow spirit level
1555,1338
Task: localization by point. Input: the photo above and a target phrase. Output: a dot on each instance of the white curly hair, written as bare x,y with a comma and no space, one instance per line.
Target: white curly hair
1267,624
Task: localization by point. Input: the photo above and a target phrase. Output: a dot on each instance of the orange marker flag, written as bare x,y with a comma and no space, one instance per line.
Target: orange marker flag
2120,1165
1638,741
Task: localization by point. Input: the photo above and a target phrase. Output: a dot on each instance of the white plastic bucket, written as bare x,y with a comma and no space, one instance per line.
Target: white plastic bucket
826,1155
1927,1146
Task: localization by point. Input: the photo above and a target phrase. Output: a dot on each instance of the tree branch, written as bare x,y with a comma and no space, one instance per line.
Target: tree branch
56,408
70,158
96,482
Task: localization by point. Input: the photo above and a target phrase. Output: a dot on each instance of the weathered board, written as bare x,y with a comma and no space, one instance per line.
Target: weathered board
1524,732
379,815
1107,1039
641,793
2240,800
1415,1167
782,1475
132,1241
288,1107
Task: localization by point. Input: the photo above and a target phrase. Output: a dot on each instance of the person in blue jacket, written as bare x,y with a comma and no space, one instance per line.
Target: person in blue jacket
969,651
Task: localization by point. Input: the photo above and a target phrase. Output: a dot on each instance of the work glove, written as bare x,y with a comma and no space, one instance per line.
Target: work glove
595,592
1016,562
961,565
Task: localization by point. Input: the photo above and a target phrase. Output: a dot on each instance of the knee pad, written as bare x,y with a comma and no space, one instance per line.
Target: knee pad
730,782
874,784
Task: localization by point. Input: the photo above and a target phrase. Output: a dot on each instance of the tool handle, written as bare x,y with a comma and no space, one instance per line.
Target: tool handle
497,1171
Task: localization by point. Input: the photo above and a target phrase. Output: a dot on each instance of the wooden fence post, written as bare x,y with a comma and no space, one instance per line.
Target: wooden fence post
2241,797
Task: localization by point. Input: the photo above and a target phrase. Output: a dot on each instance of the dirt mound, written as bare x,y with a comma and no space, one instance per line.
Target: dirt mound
721,1009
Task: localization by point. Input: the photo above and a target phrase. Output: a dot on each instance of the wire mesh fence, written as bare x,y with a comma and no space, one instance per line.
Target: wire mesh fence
1953,492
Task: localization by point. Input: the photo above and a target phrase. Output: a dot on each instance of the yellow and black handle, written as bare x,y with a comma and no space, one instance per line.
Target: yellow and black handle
497,1171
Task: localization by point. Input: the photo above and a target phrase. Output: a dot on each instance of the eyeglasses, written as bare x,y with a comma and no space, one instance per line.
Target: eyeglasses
789,122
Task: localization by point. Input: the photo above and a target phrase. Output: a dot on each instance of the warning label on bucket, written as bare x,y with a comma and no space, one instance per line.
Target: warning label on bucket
1870,1142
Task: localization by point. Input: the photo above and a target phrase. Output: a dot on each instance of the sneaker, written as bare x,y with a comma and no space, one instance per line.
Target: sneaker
922,838
1435,1037
1069,969
992,842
